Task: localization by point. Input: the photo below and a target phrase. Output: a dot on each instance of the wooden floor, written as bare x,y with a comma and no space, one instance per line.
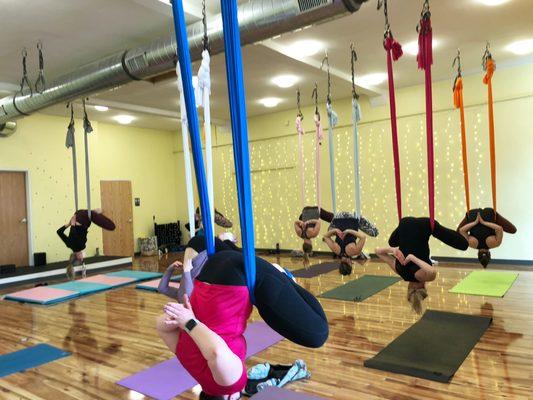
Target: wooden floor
112,335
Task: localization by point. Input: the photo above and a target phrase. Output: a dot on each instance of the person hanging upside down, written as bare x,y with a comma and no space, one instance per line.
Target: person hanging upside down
77,238
206,332
308,226
349,241
193,262
409,254
484,228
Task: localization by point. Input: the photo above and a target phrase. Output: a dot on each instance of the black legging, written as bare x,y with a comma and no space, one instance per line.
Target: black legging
285,306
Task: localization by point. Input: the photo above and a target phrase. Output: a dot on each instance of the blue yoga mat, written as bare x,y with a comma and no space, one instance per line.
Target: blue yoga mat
139,275
82,288
31,357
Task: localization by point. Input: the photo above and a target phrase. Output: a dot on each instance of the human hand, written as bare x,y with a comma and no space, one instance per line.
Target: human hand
72,221
409,258
399,256
175,265
179,314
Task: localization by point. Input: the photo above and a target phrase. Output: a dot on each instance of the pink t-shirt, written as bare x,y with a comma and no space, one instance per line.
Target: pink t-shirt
225,310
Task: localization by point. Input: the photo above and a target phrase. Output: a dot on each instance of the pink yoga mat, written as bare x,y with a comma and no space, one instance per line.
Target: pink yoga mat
168,379
108,280
155,283
41,294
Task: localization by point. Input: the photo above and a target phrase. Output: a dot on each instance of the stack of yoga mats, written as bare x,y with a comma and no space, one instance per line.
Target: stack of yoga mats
53,294
152,285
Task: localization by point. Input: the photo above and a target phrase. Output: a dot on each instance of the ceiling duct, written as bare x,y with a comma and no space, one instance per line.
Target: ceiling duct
258,20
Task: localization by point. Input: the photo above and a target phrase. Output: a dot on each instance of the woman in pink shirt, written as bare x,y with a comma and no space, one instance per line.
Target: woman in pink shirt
207,332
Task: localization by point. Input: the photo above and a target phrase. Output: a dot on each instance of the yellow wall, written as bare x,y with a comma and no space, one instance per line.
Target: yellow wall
145,157
276,173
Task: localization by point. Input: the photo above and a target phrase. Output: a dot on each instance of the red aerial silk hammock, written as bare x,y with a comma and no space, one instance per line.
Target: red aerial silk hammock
394,52
425,61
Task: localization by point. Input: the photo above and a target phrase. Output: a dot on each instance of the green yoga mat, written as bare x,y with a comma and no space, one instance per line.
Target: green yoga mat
361,288
433,348
486,283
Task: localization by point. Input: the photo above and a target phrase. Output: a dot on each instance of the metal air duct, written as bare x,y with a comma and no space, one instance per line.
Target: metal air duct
258,20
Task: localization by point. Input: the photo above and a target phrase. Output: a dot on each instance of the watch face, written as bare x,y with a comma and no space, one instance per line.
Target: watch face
190,325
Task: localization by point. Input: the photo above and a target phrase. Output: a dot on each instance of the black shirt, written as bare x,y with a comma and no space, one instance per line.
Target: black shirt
198,244
76,239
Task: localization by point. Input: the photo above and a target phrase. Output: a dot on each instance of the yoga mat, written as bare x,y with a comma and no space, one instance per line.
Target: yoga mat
137,275
42,295
275,393
486,283
82,288
30,357
434,347
361,288
316,270
111,281
153,285
168,379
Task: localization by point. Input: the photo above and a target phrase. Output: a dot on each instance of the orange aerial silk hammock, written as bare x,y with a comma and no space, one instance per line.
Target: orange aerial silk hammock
490,66
459,103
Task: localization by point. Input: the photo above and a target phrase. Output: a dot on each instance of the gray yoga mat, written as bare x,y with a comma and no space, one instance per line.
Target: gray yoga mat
316,270
361,288
433,348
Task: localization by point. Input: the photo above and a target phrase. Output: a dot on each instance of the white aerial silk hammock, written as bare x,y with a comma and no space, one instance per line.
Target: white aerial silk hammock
202,93
356,117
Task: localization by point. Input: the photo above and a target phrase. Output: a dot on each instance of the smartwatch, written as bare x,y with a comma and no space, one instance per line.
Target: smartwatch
190,325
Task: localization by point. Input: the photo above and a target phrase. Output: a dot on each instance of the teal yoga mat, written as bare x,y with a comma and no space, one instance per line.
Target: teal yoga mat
30,357
138,275
361,288
82,288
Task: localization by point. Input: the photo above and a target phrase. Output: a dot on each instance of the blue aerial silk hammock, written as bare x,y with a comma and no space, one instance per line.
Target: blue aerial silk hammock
237,102
184,58
232,48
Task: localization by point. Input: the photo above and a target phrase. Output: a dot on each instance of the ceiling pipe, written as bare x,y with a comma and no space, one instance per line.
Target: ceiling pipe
258,20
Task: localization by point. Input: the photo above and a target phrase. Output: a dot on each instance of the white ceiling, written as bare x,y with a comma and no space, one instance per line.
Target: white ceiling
75,32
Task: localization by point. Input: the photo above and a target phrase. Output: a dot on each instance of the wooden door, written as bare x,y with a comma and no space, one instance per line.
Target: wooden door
13,219
117,205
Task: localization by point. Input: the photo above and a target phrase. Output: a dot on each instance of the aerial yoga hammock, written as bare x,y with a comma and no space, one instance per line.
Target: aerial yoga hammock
483,228
82,219
231,282
308,225
202,95
425,61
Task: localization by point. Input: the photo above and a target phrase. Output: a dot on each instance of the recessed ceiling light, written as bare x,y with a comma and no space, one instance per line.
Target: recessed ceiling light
305,48
270,102
101,108
285,81
411,48
492,3
521,47
371,79
124,119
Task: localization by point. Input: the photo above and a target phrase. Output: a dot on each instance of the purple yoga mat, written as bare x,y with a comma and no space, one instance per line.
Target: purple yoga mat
168,379
275,393
316,270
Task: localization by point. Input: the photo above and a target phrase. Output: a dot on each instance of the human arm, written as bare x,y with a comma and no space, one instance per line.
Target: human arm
225,366
496,240
389,255
61,234
164,284
186,284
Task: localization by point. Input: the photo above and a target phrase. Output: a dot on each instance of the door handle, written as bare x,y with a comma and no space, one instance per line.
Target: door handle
130,220
23,221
